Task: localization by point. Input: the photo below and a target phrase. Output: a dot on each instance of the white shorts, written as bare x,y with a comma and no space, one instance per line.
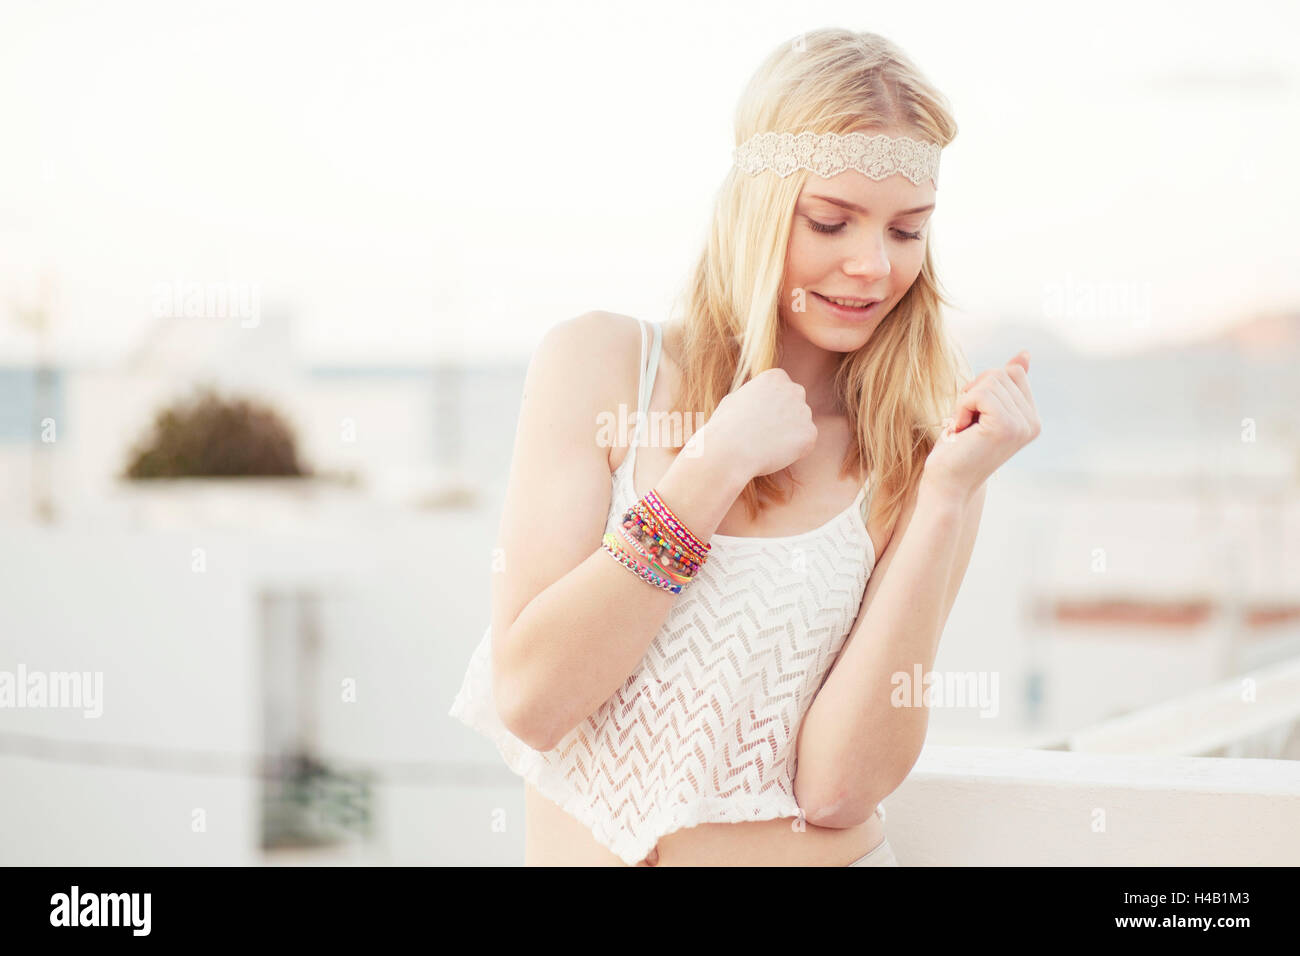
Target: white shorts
882,855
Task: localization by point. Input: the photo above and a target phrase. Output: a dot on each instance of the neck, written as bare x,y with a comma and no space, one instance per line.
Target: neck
812,367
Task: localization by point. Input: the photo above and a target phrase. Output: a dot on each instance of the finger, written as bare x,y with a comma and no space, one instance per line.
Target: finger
1021,358
964,412
998,404
967,407
1031,410
1017,367
1028,417
1021,379
1016,381
983,401
1021,414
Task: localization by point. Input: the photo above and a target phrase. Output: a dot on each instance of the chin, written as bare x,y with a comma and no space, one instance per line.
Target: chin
835,338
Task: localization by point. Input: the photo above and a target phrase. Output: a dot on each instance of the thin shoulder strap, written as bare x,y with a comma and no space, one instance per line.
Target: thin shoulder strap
654,364
646,387
640,384
870,489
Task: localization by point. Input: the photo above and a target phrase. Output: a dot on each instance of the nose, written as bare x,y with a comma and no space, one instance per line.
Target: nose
871,262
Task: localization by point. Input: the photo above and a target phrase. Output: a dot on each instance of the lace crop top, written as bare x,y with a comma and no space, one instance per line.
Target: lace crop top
705,729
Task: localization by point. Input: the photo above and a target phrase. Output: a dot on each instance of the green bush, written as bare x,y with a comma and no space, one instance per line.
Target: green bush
211,436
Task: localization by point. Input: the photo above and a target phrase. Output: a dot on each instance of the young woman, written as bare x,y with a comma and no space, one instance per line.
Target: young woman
692,639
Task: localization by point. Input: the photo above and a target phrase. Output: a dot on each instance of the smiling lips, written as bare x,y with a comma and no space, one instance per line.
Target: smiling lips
848,303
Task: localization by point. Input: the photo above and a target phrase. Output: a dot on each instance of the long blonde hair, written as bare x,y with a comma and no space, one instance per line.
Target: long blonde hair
896,388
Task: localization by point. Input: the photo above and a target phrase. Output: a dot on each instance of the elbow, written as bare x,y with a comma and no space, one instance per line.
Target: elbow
523,727
853,805
516,708
840,814
527,702
523,716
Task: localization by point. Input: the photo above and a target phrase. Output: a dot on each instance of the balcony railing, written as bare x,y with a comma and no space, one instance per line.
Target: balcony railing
984,806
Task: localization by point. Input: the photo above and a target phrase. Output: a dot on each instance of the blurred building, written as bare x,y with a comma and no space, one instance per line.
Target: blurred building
66,431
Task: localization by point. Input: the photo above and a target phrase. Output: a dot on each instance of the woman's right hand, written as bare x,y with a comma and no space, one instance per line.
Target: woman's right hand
761,427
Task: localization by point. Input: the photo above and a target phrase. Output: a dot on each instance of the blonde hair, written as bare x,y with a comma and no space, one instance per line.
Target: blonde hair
896,388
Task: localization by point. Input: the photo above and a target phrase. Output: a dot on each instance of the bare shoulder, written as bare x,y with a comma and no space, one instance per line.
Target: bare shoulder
586,342
593,332
595,348
589,357
593,360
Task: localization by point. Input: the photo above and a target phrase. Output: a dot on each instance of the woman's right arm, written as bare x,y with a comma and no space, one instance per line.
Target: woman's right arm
569,623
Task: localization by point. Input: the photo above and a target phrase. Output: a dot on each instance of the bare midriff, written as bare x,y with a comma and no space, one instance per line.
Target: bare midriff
554,838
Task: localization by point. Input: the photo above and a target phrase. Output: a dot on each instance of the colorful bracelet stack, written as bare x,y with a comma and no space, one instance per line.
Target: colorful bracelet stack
655,545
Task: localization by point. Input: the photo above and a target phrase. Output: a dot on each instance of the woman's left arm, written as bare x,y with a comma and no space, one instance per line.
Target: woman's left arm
855,746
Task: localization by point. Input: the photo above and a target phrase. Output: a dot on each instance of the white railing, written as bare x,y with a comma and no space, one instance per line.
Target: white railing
984,806
1253,714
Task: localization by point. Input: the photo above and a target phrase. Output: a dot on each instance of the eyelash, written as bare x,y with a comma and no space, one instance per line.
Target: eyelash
822,227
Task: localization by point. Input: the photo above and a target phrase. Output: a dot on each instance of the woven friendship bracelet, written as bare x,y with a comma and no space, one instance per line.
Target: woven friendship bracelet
654,544
675,525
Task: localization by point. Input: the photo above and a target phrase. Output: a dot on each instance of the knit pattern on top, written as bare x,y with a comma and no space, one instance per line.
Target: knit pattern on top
704,730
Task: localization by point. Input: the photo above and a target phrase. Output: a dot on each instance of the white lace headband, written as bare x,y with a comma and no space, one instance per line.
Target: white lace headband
826,154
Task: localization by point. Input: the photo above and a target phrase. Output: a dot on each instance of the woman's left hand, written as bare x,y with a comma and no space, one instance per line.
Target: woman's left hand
994,418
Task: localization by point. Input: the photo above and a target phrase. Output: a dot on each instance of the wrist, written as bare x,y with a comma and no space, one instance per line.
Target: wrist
941,492
700,490
712,461
713,469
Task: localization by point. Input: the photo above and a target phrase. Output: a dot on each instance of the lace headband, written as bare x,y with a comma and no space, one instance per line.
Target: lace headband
826,154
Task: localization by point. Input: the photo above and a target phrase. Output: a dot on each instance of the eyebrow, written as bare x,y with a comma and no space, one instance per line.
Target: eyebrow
856,208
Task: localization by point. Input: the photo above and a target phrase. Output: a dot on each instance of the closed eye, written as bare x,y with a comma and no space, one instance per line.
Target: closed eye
825,227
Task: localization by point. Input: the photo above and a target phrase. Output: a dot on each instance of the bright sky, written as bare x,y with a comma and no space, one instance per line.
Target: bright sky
414,181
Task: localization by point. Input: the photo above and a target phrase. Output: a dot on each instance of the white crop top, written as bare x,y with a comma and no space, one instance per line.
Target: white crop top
704,730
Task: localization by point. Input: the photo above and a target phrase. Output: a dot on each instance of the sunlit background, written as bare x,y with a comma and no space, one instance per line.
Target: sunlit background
362,220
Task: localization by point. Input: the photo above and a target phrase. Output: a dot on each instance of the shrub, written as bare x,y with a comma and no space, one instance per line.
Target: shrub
210,436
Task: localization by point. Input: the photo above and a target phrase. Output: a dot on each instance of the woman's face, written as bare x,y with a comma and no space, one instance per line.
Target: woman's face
852,238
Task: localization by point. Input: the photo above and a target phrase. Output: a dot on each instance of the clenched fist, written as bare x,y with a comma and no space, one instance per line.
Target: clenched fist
761,427
993,419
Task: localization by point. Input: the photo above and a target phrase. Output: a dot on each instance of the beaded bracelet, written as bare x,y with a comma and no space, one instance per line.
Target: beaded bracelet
639,519
651,522
654,544
644,573
629,540
647,558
